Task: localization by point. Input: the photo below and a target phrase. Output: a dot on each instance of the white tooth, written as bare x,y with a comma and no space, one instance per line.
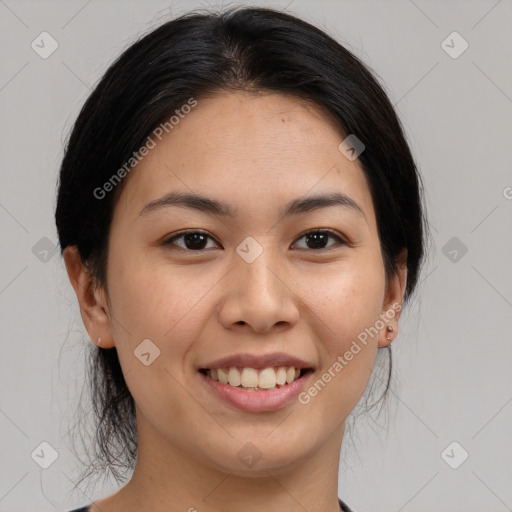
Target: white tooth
234,377
213,374
281,376
290,374
249,378
297,373
223,376
267,378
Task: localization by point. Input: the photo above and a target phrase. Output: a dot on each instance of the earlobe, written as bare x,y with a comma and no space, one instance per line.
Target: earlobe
92,301
393,301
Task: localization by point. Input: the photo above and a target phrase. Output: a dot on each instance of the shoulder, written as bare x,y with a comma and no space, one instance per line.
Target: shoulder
343,507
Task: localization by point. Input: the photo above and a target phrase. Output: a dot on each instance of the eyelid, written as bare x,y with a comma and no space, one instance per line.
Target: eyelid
169,239
341,240
334,234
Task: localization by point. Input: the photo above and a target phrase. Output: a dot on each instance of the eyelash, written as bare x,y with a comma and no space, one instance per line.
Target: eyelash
339,239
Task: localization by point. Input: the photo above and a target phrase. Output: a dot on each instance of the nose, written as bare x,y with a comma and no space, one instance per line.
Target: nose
258,296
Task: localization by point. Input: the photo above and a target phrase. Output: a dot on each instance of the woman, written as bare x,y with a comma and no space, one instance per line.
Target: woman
241,219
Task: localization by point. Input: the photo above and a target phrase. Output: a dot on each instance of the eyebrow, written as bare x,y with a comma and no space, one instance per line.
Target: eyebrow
215,207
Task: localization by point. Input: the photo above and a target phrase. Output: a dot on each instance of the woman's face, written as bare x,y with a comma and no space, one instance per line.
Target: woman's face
255,285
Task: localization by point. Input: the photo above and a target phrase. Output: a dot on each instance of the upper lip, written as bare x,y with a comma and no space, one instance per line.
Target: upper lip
257,362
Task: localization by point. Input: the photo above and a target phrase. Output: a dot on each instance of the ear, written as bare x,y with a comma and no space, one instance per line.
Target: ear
393,301
92,300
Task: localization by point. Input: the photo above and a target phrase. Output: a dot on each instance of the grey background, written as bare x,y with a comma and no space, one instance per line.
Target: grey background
453,356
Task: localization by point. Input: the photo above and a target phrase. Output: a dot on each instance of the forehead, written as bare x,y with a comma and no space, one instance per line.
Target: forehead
249,148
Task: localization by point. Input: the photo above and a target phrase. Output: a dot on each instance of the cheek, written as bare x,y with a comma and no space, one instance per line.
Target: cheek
345,307
348,298
154,296
154,301
163,305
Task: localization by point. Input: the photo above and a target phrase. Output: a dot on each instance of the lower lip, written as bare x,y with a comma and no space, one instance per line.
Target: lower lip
257,401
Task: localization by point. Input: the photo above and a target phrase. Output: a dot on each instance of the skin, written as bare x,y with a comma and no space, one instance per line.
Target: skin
255,152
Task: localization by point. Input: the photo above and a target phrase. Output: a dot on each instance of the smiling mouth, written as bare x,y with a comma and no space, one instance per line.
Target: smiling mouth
251,379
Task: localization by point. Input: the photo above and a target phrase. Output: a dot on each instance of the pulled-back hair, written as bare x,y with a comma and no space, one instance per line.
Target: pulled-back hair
195,56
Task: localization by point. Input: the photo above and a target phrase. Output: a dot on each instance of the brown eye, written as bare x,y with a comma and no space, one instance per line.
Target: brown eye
317,239
191,240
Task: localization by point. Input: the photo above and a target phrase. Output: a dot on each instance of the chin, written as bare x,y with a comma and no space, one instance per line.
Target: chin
258,457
